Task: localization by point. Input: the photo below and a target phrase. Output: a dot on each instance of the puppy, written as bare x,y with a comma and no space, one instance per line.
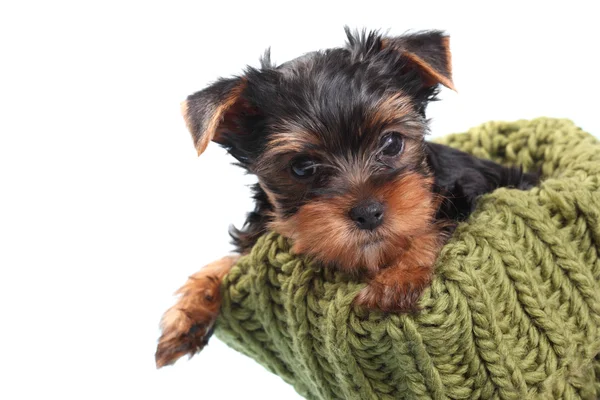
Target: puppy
336,139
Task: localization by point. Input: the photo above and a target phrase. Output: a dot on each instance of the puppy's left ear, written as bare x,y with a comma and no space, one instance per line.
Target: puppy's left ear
429,53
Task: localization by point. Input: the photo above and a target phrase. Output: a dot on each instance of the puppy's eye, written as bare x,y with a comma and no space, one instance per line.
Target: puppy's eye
392,144
303,168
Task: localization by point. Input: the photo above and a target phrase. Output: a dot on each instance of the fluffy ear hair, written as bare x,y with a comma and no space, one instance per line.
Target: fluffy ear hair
209,112
429,52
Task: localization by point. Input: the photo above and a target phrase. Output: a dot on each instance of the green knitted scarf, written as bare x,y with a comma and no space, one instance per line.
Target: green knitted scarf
513,311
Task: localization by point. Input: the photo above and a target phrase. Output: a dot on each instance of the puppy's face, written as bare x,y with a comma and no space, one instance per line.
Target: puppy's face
336,140
348,182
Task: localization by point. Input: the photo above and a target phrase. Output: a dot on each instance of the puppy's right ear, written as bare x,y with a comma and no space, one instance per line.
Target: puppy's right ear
210,112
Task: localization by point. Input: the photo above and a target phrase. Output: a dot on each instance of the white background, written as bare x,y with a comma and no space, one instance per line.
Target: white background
105,208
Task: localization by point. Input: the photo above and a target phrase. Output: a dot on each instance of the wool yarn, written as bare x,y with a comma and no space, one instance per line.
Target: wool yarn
513,311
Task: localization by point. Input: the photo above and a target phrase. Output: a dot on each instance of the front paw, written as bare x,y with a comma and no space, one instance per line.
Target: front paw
187,326
396,298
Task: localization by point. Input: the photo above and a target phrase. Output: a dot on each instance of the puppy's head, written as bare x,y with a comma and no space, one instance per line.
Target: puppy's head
336,140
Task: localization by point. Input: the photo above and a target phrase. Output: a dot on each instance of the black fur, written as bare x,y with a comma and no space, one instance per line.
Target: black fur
461,178
256,222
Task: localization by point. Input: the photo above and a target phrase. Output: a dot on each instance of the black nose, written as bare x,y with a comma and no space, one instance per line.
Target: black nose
367,215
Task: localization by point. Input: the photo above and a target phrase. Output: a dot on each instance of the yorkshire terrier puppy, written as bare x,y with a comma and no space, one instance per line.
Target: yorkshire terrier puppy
336,139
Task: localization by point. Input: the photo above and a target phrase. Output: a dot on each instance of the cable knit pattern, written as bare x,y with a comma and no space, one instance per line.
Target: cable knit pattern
513,311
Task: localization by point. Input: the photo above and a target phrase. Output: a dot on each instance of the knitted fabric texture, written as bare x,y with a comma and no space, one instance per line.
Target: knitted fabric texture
513,311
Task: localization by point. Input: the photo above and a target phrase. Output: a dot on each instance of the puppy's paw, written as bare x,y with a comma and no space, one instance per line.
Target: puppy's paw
187,326
395,298
396,289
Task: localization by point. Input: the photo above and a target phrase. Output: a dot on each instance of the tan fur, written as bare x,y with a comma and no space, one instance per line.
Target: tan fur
289,142
186,326
434,77
389,108
211,129
323,229
398,287
186,116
